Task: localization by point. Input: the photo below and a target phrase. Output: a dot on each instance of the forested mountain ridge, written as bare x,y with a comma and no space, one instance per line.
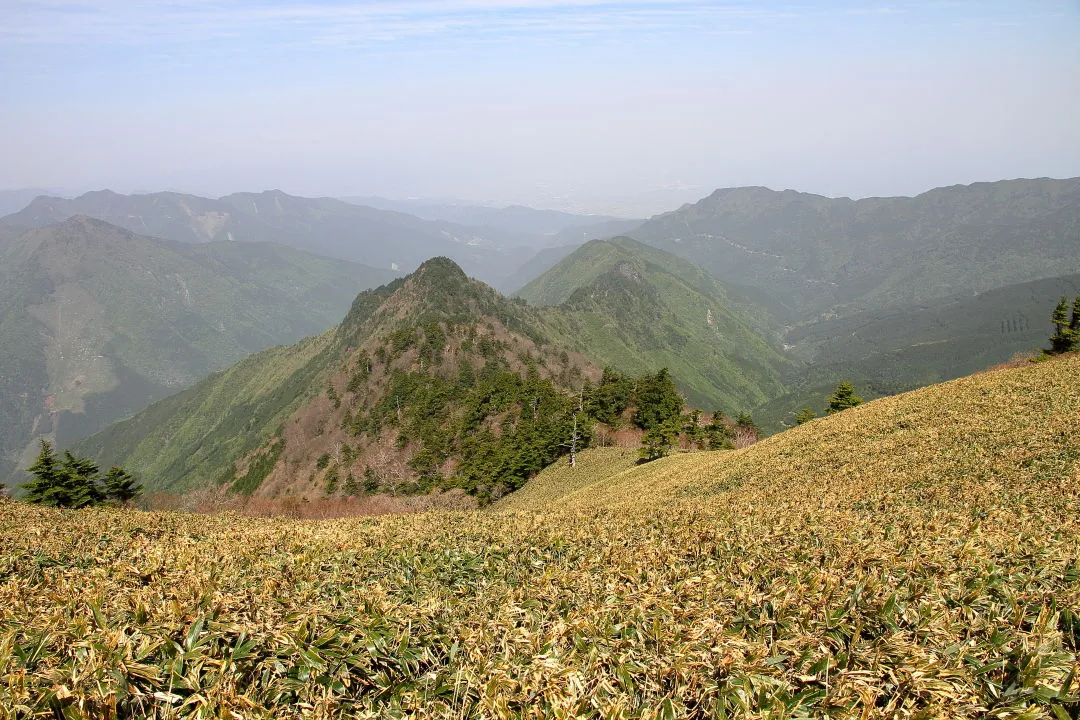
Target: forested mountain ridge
837,256
421,387
96,322
434,382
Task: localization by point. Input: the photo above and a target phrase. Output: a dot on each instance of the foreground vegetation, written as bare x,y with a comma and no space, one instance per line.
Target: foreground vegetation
917,556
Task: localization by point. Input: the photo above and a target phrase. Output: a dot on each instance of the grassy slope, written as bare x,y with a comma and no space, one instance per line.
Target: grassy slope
984,438
555,481
916,557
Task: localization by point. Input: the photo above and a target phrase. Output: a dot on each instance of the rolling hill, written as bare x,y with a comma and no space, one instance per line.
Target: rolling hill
636,308
97,322
913,557
836,256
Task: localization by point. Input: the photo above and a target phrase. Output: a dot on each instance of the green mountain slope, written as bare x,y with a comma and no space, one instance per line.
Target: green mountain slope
824,255
97,322
636,308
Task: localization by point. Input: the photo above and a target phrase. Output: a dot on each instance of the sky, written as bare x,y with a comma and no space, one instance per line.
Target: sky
580,104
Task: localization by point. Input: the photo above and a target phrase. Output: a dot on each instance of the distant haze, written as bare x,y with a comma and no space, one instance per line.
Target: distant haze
618,106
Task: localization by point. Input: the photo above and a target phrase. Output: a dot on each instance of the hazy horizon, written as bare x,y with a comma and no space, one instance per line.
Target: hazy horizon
576,105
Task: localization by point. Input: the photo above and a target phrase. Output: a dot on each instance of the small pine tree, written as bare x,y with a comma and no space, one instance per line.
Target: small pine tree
352,485
82,481
1074,323
745,421
804,416
121,486
718,434
75,482
331,480
843,397
1064,338
693,429
658,441
371,480
47,486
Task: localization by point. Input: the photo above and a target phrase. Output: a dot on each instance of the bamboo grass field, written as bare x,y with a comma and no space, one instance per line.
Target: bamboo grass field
915,557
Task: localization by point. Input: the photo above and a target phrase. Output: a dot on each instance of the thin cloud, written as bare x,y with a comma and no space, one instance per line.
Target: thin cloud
99,22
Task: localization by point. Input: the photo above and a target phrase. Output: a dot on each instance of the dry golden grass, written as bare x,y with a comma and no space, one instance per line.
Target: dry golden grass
559,479
917,557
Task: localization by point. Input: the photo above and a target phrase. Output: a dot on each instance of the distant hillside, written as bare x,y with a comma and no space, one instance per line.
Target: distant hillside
320,225
512,218
536,266
431,383
636,308
96,322
885,352
822,255
15,200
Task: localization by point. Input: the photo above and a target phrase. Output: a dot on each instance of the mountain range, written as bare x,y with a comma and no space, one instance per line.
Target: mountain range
437,381
825,257
755,300
323,226
401,394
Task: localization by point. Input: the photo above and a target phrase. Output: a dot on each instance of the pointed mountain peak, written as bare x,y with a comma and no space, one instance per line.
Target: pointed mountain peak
438,289
81,221
439,270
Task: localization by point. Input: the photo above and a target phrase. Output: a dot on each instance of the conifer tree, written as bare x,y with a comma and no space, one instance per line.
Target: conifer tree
843,397
82,481
75,482
693,430
658,441
658,401
1063,339
745,421
1074,324
121,486
46,487
718,434
804,416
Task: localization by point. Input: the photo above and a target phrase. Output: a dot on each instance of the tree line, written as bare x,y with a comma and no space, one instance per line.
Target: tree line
68,481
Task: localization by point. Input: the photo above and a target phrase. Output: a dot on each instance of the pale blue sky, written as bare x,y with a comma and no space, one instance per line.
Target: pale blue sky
536,100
